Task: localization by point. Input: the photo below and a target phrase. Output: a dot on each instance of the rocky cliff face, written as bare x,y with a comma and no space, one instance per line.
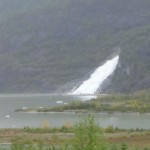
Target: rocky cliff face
51,45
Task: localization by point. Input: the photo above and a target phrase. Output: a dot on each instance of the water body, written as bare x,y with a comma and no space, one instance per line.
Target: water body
91,85
11,119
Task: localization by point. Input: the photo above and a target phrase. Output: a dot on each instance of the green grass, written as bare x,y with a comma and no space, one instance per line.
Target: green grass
136,102
87,136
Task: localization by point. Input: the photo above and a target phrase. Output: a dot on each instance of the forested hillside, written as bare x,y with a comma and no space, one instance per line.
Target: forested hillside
51,45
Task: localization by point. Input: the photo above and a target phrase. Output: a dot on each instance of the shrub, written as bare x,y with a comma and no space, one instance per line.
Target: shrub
88,136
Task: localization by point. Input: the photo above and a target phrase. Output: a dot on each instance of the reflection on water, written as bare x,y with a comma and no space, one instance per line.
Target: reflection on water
86,97
11,119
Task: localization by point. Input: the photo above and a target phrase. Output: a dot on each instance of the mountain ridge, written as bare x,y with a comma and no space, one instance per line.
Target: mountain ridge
53,47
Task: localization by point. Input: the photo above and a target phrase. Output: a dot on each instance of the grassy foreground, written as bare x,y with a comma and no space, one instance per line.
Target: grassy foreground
86,135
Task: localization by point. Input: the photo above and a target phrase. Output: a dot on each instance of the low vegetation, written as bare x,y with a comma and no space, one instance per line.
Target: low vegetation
137,102
85,135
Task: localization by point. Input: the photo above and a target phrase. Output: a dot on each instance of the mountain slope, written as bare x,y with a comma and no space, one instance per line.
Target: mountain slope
56,44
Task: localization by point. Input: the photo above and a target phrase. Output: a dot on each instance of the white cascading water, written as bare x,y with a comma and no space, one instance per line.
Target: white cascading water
96,79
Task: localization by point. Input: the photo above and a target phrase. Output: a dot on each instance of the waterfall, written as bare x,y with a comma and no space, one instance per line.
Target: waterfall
91,85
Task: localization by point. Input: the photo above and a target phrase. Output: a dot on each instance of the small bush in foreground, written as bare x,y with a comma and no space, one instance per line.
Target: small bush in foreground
88,136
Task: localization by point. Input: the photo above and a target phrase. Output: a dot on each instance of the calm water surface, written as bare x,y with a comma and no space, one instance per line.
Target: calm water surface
11,119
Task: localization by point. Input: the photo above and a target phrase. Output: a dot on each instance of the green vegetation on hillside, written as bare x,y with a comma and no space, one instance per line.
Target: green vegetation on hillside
51,45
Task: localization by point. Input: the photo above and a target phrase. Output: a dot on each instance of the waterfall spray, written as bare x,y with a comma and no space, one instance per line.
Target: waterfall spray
91,85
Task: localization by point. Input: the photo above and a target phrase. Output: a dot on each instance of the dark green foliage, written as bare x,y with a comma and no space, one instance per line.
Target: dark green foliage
52,44
124,146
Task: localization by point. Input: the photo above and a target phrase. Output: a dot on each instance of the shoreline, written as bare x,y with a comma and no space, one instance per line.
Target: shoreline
83,112
110,104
